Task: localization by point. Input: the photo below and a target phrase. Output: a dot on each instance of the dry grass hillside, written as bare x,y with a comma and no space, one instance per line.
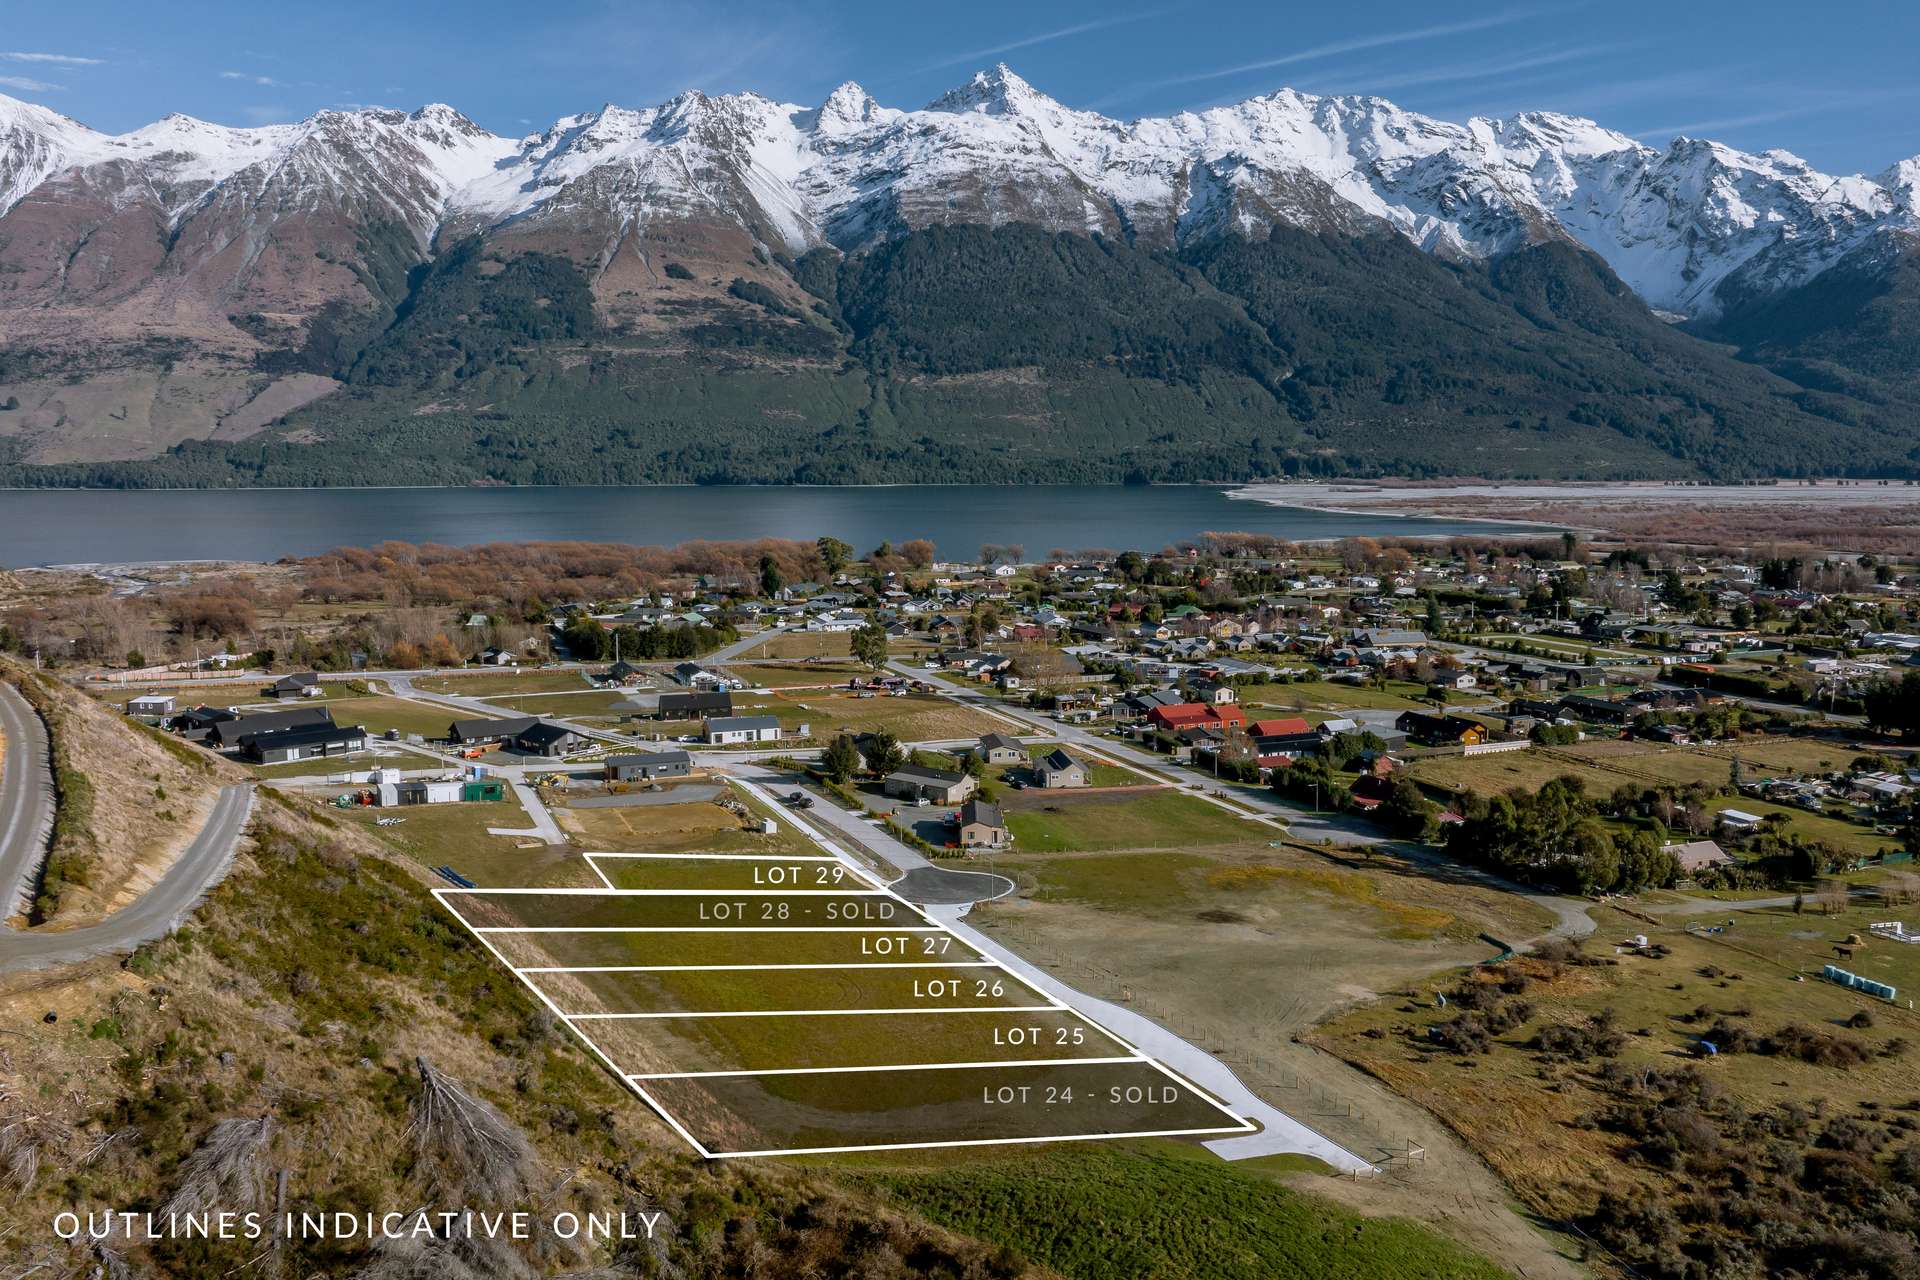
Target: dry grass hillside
325,1037
130,801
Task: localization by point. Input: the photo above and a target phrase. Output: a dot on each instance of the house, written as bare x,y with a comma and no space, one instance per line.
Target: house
694,706
1578,706
467,732
1739,820
1697,855
695,676
1058,768
304,685
196,724
151,706
1455,679
1390,638
1433,731
1370,792
302,742
224,735
543,739
998,748
646,768
1272,751
1278,728
498,657
622,672
1192,715
941,786
980,826
722,730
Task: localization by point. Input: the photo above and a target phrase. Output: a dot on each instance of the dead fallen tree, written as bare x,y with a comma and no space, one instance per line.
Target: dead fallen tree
469,1151
226,1171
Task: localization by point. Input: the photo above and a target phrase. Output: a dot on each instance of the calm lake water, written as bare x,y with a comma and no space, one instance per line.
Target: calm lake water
40,527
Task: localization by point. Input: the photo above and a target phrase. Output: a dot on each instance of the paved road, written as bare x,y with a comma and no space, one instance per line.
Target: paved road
155,913
26,800
739,649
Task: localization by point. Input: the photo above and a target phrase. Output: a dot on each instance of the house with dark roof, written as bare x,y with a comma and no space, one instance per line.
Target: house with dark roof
647,767
980,826
224,735
304,685
1436,731
692,706
1058,768
303,742
466,732
543,739
940,786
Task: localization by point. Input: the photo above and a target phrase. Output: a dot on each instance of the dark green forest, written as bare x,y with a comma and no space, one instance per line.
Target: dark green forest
1015,355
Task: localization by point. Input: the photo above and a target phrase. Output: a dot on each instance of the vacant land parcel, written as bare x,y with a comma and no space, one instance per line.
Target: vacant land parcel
771,1003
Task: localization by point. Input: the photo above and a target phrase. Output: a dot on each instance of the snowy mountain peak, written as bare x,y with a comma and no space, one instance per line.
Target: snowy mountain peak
847,109
995,92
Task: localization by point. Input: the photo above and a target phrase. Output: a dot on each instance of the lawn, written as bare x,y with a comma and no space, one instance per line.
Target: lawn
677,828
456,835
378,714
564,705
1100,773
695,872
804,644
1070,822
550,950
1841,834
482,683
788,675
914,718
1154,1211
1327,695
776,990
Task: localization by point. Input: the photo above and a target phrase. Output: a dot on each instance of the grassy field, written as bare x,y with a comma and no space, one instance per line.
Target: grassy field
1076,822
788,675
914,718
676,828
804,644
379,714
1605,763
1156,1211
563,705
775,990
1327,695
481,684
614,949
1841,834
1100,773
695,872
456,835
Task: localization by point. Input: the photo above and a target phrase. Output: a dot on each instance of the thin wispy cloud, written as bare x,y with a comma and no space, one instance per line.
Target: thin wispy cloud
1827,100
251,77
27,84
1491,70
1044,37
54,59
1334,49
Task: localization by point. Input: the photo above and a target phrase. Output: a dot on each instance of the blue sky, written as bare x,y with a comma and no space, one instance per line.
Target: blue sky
1758,74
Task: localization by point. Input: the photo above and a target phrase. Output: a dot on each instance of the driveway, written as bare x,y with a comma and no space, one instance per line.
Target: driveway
156,912
26,800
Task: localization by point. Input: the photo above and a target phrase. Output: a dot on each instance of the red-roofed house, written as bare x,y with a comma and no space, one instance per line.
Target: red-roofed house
1279,728
1195,715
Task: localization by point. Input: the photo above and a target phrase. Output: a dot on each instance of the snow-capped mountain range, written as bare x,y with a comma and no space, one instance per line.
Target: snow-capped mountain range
1693,228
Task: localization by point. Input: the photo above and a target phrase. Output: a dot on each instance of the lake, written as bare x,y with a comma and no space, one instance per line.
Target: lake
90,526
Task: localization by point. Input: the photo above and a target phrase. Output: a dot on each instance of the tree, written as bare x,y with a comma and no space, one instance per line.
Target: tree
884,753
771,579
869,645
834,554
841,760
1408,812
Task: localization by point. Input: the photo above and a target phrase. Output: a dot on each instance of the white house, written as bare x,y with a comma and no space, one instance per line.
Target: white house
728,730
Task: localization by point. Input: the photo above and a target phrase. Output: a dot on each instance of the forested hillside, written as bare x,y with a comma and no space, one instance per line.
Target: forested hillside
1018,354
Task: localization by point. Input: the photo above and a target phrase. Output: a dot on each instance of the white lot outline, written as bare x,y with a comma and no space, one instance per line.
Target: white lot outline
634,1081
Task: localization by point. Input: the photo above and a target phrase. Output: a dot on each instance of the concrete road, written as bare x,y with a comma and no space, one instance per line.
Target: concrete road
155,913
26,801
